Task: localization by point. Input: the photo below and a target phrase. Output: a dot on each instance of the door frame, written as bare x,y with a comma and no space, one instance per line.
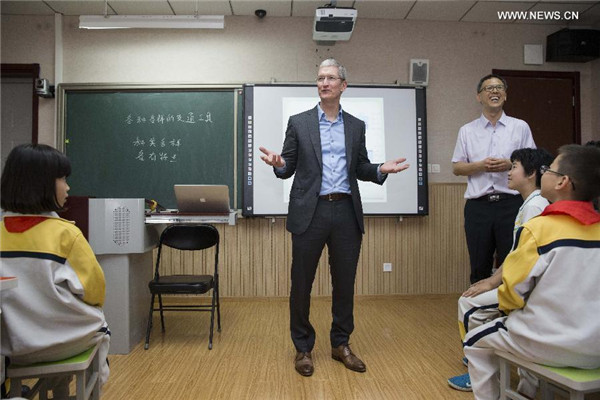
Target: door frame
572,76
26,71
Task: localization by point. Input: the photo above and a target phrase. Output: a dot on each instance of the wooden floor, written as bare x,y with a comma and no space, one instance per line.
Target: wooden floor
410,345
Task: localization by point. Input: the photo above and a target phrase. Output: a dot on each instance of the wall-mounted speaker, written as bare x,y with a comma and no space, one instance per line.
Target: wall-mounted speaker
573,45
419,72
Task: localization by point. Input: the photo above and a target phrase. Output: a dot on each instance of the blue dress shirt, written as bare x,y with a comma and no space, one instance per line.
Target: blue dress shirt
333,148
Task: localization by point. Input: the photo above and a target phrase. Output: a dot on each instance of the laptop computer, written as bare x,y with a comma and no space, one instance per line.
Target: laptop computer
202,199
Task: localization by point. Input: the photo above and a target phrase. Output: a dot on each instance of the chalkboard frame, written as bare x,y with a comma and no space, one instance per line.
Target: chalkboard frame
64,89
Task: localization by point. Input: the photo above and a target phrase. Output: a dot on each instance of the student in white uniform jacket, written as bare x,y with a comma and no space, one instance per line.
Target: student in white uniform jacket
56,310
550,280
479,303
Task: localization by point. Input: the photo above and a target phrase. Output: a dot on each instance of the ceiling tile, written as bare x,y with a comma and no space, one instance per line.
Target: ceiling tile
30,7
591,17
82,7
214,7
439,10
383,9
141,7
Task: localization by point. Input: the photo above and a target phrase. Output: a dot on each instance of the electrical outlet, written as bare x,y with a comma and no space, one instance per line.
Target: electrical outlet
435,168
387,267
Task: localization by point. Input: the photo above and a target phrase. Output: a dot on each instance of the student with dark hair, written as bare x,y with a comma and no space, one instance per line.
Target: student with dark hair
550,281
482,153
56,311
479,303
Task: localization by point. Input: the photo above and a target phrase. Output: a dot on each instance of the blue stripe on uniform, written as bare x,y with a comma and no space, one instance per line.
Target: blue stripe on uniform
584,244
492,329
472,310
32,254
517,237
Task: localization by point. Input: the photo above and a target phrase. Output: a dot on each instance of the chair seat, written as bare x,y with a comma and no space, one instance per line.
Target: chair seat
568,381
182,284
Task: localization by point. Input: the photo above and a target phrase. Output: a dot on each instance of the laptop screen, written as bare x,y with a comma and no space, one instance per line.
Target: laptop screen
202,199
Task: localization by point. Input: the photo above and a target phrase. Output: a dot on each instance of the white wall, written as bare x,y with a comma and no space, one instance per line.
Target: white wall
252,50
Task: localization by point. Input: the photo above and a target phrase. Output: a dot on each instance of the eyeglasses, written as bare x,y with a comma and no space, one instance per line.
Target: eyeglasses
493,88
545,168
323,79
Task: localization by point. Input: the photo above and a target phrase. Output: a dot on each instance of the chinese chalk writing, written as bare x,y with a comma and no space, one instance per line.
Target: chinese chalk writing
189,118
162,149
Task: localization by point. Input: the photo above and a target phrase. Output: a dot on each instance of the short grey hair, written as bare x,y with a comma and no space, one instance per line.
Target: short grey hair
332,62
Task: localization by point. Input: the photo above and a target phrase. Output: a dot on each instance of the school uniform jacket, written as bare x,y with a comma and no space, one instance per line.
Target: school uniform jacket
56,307
550,284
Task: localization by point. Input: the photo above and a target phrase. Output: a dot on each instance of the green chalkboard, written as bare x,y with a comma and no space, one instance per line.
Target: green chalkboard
131,143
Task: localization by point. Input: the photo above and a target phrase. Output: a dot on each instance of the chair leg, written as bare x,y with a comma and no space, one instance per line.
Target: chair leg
162,318
149,326
218,310
212,320
80,382
504,379
15,387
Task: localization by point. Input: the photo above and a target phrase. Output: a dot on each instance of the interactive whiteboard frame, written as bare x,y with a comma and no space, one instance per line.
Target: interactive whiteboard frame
401,109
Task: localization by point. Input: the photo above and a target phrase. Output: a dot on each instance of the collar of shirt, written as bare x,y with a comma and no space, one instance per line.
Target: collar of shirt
322,115
486,122
582,211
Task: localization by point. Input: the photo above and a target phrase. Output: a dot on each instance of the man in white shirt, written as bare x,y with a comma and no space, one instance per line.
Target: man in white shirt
482,153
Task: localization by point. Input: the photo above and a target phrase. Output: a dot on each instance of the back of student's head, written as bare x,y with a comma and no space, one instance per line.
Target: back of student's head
532,160
582,165
29,178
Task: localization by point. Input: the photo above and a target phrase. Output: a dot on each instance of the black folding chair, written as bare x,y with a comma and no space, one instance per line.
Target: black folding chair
190,238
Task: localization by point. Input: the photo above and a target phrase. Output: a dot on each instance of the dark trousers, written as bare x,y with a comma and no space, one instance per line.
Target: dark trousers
334,224
489,228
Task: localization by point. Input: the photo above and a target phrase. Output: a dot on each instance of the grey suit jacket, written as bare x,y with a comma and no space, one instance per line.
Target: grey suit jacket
303,156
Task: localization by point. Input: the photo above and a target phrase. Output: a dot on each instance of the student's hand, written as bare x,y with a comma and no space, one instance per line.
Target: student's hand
497,164
393,166
271,158
479,287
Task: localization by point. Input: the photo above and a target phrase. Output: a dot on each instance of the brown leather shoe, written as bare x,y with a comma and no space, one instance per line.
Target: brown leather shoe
344,354
304,364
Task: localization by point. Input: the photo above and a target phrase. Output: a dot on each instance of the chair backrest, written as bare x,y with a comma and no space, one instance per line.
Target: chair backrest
190,237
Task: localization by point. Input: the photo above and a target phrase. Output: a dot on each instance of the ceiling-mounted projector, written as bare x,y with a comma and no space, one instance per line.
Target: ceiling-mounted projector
334,23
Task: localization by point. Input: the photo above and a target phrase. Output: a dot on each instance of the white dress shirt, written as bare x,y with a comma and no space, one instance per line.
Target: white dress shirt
479,139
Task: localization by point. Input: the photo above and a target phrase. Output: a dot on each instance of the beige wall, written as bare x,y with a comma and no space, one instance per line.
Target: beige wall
252,50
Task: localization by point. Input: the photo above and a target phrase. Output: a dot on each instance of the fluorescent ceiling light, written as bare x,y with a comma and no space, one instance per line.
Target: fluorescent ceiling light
152,21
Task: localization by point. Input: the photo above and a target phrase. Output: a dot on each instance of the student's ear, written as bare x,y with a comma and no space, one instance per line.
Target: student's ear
564,183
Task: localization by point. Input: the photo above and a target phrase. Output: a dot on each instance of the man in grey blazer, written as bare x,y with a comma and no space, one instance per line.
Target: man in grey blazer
325,148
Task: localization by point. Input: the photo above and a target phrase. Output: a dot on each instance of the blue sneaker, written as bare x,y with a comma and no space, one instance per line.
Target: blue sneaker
465,362
461,382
